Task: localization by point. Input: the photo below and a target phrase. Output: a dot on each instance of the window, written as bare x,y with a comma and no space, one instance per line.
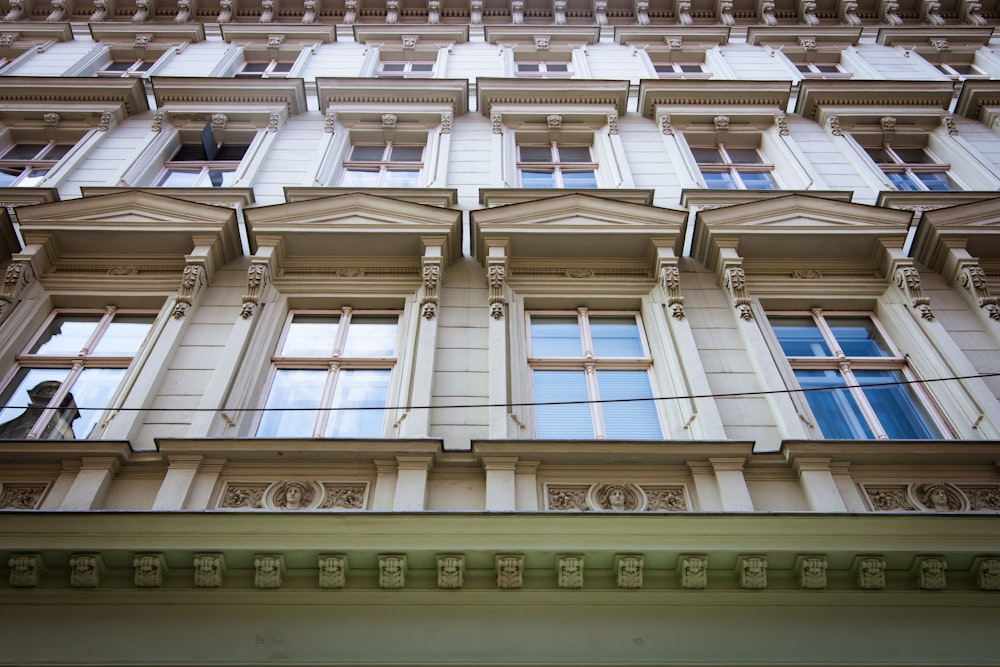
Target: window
25,164
556,166
330,376
578,360
204,164
405,69
912,168
383,165
125,68
681,70
541,69
733,168
855,381
70,371
961,71
822,71
264,69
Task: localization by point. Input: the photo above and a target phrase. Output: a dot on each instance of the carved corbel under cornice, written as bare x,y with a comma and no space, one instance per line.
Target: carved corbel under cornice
973,278
908,279
735,281
496,276
431,272
666,127
496,122
446,121
192,280
331,122
613,122
16,277
257,279
670,281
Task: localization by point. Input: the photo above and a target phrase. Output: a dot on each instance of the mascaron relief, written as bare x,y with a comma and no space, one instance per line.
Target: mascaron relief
293,495
932,497
616,497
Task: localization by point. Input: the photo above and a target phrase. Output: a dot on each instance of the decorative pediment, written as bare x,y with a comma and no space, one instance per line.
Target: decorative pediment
819,98
363,95
974,228
52,93
441,197
362,227
551,92
803,230
210,92
129,228
980,100
707,98
577,226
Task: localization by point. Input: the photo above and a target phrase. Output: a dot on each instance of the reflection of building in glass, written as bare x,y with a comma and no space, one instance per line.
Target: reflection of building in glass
59,426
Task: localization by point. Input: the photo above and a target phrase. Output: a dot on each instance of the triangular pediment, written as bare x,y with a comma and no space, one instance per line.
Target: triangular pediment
806,213
973,227
131,226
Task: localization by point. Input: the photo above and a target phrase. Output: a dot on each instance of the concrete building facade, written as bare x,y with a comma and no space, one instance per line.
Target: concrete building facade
513,333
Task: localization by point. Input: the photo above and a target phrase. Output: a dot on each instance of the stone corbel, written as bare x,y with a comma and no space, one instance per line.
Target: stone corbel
908,279
642,12
613,123
496,275
350,11
807,12
724,12
192,280
16,277
666,127
601,12
950,125
257,278
432,277
476,12
735,281
765,12
888,11
670,281
331,122
391,11
835,128
683,12
517,11
559,12
971,12
973,278
930,12
447,118
496,122
848,11
781,121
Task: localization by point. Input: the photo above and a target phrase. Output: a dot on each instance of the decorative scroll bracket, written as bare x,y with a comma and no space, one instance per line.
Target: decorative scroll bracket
908,279
973,278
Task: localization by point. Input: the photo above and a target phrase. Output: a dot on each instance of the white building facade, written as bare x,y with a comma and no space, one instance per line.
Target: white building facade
447,333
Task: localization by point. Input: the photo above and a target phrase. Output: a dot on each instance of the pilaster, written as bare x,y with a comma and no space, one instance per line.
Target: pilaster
91,483
411,483
818,484
732,485
501,488
176,486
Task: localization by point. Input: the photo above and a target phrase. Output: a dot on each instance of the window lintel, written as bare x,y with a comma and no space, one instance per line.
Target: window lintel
706,96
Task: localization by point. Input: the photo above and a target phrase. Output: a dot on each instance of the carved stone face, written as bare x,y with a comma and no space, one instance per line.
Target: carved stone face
293,496
939,498
616,498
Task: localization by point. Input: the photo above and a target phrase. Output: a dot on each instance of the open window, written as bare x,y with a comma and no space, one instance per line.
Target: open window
203,160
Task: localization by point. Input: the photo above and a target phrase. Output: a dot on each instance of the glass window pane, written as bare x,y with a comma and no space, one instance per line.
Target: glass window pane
359,178
367,153
836,412
23,151
744,155
359,389
707,156
32,177
557,337
804,68
936,181
175,178
556,67
800,337
300,390
579,179
66,335
537,179
616,337
370,336
255,67
119,66
310,336
85,403
720,180
402,178
220,178
406,154
422,67
760,180
899,411
574,154
901,181
914,156
562,421
8,176
630,418
858,337
282,67
123,336
393,67
57,151
536,153
528,67
25,398
828,69
692,68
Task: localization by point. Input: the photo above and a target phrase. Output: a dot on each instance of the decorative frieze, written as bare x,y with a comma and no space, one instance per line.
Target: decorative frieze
257,279
752,572
343,496
693,571
981,498
569,570
932,497
628,570
26,570
616,497
192,280
665,498
973,278
908,279
510,571
332,570
85,570
22,495
294,495
149,570
391,570
870,572
986,572
268,569
811,571
939,497
243,496
888,498
450,570
930,572
209,569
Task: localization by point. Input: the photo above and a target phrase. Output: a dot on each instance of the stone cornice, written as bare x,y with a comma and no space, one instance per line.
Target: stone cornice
640,35
453,93
229,197
919,37
972,227
839,36
213,92
158,32
709,198
50,92
437,34
976,97
33,33
557,35
442,197
491,197
258,32
815,94
711,93
539,92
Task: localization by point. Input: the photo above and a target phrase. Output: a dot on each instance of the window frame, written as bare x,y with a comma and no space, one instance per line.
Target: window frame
557,166
133,71
813,72
407,72
29,165
845,365
911,169
948,70
333,365
734,169
590,364
76,364
678,72
270,70
543,69
201,168
385,165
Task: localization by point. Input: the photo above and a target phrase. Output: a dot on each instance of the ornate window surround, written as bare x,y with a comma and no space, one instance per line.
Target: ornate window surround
580,112
127,41
20,42
827,45
943,45
416,43
270,41
560,44
655,45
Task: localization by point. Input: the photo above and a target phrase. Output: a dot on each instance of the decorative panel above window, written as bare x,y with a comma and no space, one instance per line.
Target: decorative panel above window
408,51
267,51
955,52
810,52
135,51
19,43
543,52
670,53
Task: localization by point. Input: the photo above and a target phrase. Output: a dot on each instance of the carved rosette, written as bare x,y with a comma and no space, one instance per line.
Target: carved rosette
25,570
908,279
332,570
628,570
973,278
812,571
736,283
569,571
257,278
510,571
931,572
267,570
496,277
670,281
85,570
391,570
149,570
22,496
192,280
432,278
209,569
450,570
871,573
752,572
693,572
